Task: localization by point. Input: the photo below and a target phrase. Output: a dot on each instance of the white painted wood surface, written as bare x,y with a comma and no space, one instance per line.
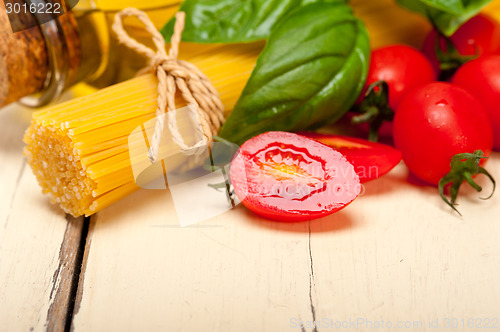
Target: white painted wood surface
396,254
34,268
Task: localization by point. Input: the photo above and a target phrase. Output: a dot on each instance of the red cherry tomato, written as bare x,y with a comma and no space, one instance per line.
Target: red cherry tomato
402,68
288,177
480,35
370,160
481,77
437,121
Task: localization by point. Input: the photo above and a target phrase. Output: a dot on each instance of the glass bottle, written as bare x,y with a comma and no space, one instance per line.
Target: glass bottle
37,64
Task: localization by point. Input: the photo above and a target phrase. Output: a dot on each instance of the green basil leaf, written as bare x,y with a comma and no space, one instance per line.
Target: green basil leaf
446,15
309,74
232,21
449,6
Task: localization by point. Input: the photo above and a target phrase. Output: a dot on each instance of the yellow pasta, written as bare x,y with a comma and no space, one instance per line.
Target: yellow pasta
78,150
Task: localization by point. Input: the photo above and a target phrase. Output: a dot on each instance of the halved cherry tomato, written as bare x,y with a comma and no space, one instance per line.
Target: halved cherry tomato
481,77
371,160
288,177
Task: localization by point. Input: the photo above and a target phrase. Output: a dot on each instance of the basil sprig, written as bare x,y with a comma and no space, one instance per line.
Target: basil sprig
311,71
233,21
446,15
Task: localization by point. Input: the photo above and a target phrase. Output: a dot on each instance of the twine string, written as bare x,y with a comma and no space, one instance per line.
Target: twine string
173,74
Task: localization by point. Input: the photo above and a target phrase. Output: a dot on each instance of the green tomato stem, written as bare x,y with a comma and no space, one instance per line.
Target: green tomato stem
450,59
463,167
374,109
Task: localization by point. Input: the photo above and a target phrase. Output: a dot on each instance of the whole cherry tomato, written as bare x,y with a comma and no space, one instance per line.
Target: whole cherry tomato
288,177
445,136
436,122
481,77
394,71
478,36
402,68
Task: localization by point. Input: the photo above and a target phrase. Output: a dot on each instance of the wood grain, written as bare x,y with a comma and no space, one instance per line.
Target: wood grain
38,245
66,276
145,272
397,254
408,258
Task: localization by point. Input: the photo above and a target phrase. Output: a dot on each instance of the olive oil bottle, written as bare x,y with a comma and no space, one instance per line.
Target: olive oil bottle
41,57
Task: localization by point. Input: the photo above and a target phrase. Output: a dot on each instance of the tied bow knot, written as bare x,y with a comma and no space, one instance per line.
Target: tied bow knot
195,87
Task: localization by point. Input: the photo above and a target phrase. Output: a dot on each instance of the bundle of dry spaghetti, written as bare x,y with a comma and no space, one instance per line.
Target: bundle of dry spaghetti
78,150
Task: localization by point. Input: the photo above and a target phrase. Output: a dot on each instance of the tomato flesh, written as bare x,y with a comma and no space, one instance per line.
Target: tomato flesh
436,122
288,177
371,160
481,77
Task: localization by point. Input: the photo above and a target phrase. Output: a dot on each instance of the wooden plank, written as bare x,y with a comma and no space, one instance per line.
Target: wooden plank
397,254
408,259
66,277
144,272
38,244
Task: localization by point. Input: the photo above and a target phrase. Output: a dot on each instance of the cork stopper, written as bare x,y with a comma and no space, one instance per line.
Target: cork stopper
38,58
24,64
